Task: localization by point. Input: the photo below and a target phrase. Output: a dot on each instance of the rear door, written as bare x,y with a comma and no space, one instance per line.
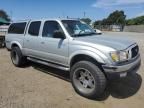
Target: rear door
31,40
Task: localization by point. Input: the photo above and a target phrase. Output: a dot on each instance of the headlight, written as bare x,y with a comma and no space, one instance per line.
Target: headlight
119,56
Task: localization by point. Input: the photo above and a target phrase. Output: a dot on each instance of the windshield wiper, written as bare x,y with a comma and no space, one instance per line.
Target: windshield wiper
92,33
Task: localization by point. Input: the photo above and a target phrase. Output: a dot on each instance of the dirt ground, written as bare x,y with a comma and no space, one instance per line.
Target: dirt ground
37,86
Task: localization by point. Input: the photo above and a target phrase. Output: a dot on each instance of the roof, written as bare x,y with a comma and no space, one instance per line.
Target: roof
44,19
3,21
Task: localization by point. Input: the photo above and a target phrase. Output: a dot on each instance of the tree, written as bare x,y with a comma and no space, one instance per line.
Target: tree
4,15
97,23
135,21
105,22
86,20
117,17
130,22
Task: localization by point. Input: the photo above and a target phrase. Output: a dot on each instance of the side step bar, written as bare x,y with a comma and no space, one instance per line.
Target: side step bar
48,64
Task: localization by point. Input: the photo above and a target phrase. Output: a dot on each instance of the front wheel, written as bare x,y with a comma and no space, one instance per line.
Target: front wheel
87,79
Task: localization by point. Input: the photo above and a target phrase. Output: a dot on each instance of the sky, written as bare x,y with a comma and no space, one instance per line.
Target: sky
94,9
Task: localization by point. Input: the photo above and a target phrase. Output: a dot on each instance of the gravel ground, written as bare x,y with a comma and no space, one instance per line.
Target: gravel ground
37,86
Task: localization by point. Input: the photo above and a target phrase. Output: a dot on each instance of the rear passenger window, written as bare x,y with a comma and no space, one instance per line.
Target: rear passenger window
34,28
50,27
17,28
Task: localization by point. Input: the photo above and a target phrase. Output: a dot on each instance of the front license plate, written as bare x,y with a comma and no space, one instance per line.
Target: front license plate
123,75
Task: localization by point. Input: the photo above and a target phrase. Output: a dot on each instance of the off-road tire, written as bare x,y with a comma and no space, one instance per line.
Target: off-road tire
98,75
17,58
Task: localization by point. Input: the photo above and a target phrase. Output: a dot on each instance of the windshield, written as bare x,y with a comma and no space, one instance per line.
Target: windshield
77,28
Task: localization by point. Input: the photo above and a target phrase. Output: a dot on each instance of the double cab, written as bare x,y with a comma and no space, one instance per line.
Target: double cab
73,46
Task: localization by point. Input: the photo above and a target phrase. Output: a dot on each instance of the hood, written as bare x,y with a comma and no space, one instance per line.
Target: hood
118,43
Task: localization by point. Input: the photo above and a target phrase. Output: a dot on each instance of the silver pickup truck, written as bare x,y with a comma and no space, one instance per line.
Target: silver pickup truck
73,46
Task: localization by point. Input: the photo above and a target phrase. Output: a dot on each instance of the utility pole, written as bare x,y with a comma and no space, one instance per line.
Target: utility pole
84,14
11,15
63,14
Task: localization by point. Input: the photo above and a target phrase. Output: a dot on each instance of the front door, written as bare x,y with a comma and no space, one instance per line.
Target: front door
53,49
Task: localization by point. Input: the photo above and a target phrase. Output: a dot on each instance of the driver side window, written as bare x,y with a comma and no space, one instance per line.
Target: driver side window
50,27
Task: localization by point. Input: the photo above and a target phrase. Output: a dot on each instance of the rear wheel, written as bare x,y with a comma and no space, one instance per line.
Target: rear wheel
17,58
87,79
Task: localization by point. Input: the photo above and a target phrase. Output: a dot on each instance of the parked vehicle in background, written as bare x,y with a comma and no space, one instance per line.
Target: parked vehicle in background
98,31
73,46
3,31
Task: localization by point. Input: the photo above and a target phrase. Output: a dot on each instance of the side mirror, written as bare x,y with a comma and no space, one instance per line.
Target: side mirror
59,34
98,31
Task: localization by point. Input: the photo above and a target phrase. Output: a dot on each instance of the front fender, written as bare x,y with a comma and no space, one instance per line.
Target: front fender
97,57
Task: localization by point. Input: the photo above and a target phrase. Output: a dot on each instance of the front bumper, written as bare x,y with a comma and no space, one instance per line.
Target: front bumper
124,69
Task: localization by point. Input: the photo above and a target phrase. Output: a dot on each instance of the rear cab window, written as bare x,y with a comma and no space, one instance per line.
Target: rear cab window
17,28
34,28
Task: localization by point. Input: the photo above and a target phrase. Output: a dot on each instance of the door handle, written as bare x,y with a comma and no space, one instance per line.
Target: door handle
42,43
